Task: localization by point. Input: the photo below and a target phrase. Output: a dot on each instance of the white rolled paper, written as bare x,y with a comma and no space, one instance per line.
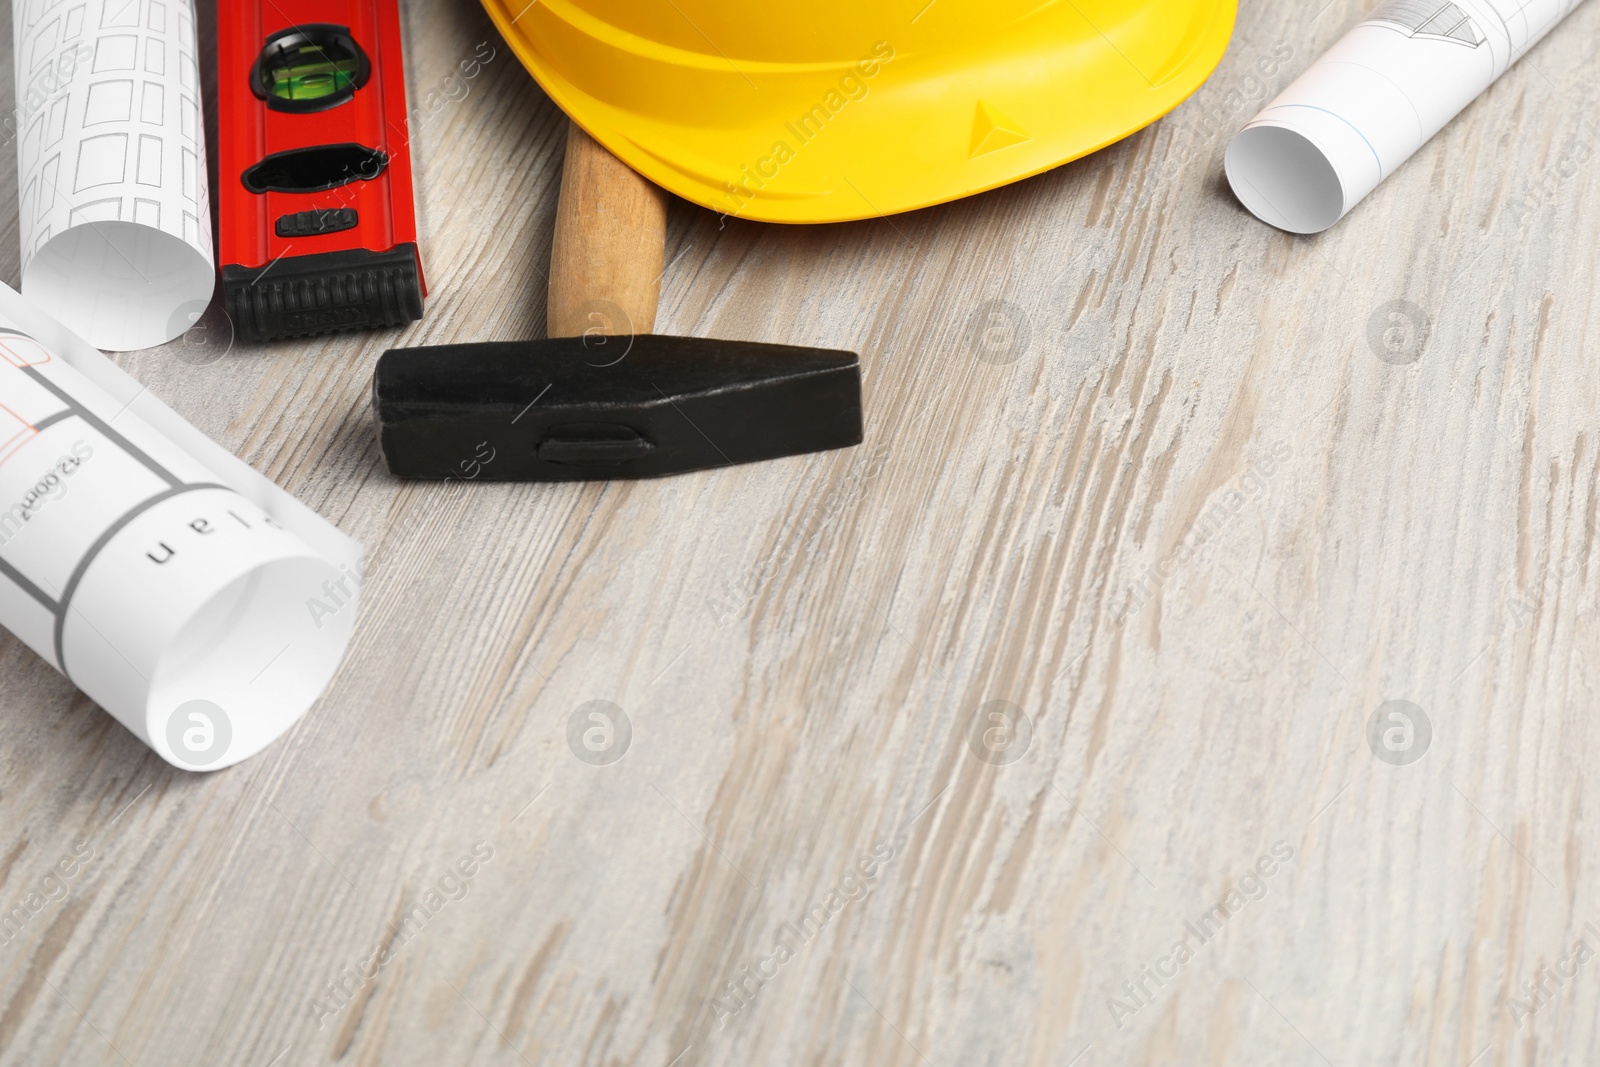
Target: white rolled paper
198,603
111,168
1376,97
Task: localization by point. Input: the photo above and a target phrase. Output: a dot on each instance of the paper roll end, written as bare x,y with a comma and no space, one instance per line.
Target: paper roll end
120,285
251,662
1284,179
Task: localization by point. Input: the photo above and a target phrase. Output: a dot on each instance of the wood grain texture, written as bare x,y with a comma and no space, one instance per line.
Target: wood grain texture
610,240
1195,496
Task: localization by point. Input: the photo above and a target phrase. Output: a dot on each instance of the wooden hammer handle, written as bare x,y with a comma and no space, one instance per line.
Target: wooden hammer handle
610,240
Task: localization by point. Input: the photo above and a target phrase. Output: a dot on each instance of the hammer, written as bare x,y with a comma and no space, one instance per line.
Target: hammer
605,397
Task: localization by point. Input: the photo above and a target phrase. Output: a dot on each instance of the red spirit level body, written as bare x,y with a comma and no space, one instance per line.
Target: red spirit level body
317,225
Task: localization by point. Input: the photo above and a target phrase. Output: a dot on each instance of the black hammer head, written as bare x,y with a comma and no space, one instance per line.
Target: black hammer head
580,408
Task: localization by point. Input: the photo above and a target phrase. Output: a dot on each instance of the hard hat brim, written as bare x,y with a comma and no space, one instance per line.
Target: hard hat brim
899,128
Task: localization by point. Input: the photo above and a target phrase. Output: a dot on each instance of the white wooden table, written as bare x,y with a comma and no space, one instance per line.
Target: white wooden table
1195,499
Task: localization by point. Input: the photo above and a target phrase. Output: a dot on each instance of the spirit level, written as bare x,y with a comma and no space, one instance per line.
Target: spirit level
317,225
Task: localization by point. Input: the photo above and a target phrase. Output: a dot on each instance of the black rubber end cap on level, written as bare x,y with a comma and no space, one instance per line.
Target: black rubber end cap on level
576,409
325,292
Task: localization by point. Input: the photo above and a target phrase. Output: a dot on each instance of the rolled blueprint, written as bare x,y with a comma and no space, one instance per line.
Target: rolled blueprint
1376,97
195,601
111,168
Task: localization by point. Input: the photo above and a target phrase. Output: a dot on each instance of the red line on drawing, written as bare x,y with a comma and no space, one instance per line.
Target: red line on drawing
20,432
23,352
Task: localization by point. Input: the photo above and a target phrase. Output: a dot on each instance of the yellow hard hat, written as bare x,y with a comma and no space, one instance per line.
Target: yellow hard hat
845,109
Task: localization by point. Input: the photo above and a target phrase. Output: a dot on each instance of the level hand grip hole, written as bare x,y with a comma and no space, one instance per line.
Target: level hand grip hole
310,170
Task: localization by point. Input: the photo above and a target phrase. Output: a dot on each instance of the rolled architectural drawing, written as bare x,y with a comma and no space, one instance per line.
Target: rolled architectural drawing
111,168
1376,97
195,601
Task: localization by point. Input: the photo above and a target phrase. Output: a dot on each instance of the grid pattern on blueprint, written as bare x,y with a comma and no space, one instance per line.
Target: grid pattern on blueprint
111,130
